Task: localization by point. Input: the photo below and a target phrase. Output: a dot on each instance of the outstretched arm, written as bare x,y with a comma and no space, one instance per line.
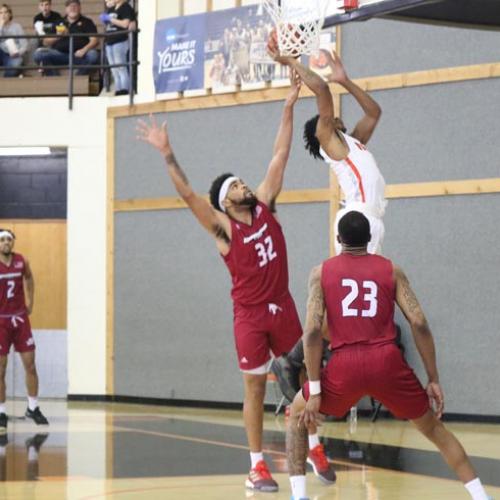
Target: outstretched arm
365,127
408,303
271,186
317,85
216,224
325,130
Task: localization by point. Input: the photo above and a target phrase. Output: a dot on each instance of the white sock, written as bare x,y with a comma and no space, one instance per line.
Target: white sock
32,402
298,484
313,441
2,451
256,457
476,490
2,408
32,454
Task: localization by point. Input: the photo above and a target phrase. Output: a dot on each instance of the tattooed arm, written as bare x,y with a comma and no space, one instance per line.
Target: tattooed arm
216,224
408,303
313,344
313,339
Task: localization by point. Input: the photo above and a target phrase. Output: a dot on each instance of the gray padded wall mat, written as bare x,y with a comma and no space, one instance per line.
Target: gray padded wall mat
448,249
381,47
435,132
173,314
209,142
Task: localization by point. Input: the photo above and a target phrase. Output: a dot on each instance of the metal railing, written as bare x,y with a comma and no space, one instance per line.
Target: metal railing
131,63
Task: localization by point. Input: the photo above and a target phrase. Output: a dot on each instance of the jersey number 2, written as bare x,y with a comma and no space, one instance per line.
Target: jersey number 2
371,289
265,251
10,289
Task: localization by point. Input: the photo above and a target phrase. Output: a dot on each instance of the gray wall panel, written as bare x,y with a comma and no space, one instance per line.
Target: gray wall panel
447,246
209,142
381,47
173,314
435,132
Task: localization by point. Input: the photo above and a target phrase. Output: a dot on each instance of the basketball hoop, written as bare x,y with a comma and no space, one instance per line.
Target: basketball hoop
298,24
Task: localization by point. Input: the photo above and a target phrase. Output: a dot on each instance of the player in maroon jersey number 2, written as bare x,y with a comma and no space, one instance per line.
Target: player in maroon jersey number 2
358,293
251,242
15,275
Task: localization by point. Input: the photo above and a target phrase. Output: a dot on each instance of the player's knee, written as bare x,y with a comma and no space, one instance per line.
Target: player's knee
3,367
255,387
297,405
30,368
430,426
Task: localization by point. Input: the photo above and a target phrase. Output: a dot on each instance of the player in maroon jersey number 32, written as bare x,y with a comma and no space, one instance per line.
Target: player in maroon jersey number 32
15,329
251,241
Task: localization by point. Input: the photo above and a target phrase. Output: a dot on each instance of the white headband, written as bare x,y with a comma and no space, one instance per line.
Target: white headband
224,189
4,234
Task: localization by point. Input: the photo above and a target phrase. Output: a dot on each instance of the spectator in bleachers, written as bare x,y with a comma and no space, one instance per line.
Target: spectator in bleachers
46,20
12,50
118,18
56,52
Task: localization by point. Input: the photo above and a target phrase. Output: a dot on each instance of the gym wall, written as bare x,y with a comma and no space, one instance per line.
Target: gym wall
172,333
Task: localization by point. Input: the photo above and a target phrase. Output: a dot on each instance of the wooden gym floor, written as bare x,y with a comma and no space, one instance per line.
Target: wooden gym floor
118,451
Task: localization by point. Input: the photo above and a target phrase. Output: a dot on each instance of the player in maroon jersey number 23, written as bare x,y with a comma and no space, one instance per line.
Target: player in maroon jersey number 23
358,293
251,242
15,329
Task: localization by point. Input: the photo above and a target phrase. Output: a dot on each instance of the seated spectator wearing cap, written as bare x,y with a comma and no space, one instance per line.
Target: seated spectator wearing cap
46,20
118,18
84,47
12,50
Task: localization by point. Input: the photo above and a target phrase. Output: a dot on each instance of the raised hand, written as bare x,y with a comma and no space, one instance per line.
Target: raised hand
338,74
153,134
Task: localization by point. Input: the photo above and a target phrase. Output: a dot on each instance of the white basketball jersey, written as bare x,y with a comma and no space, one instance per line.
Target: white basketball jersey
359,177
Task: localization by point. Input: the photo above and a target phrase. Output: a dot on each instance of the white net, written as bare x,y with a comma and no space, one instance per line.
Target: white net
298,24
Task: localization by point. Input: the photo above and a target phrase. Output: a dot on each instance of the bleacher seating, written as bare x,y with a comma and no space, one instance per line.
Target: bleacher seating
32,84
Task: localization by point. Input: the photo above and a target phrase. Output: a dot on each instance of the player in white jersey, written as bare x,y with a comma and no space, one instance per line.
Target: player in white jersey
325,138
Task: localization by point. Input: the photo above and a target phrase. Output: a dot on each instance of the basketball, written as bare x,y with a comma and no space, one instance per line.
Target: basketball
319,60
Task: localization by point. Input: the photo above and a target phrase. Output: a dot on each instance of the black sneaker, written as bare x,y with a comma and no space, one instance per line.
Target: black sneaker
3,423
287,375
37,416
36,441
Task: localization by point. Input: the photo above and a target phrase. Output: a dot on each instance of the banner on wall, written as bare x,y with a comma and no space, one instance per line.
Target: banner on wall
220,49
178,53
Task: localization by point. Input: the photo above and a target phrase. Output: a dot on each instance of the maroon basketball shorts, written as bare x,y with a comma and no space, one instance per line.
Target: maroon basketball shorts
16,330
263,328
377,371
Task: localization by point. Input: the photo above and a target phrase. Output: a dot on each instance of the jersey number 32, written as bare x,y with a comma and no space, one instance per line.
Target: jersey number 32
265,251
370,290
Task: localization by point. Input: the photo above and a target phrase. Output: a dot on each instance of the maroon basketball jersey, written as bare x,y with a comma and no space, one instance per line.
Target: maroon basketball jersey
257,259
359,292
12,286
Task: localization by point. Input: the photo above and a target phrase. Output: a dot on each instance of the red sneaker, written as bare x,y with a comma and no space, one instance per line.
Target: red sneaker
320,464
260,478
